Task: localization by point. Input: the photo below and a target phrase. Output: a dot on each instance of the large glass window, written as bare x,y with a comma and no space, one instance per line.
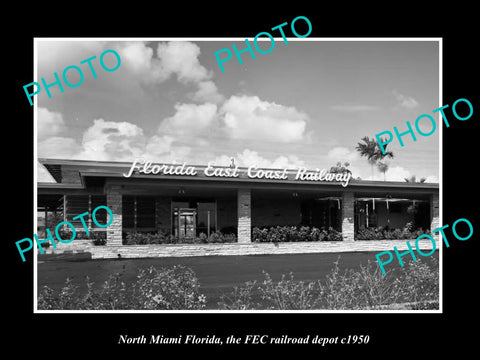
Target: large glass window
206,219
78,204
138,213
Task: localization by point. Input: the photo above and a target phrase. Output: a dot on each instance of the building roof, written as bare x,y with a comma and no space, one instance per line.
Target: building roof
84,172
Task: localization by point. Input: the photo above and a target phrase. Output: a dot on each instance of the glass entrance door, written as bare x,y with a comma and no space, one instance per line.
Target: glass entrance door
184,223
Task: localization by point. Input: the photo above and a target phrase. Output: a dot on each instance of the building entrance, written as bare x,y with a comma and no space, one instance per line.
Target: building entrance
184,222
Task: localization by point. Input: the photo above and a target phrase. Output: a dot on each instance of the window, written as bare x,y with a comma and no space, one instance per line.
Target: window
138,213
78,204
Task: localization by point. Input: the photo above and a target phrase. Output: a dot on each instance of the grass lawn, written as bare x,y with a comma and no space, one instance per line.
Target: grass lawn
217,274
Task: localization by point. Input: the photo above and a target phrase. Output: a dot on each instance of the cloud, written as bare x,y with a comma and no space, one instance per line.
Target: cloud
109,140
49,123
162,148
341,153
353,108
174,58
54,56
431,179
395,173
190,120
57,147
248,117
181,58
404,101
249,157
207,92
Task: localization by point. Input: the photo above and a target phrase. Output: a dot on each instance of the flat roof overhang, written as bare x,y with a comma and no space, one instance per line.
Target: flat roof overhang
94,181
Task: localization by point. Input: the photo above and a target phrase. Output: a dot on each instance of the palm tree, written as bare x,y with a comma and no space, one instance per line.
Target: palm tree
383,167
413,179
367,149
372,151
340,168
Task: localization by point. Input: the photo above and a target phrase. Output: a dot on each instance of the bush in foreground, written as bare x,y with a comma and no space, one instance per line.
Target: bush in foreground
414,287
416,284
154,289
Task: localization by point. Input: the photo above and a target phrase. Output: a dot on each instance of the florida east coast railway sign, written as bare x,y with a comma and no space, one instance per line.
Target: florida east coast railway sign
141,166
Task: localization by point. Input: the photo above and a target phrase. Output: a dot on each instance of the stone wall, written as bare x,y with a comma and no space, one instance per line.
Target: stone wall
435,215
114,202
348,224
70,176
244,216
185,250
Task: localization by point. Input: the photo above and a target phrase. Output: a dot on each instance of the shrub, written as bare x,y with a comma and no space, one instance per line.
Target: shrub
380,233
153,289
173,288
288,294
241,298
366,288
202,238
144,238
230,238
421,282
278,234
216,237
333,235
82,235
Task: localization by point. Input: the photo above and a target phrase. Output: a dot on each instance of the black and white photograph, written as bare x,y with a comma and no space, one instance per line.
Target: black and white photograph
247,189
257,184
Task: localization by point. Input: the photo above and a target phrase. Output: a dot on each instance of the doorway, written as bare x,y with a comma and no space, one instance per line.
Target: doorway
184,223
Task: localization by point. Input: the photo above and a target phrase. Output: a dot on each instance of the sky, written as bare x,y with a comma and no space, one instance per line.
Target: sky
305,104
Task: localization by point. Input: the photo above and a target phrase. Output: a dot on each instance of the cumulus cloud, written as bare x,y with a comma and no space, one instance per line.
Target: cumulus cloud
171,59
109,140
207,92
162,148
249,157
54,56
181,58
190,120
404,101
248,117
57,147
49,123
341,153
353,108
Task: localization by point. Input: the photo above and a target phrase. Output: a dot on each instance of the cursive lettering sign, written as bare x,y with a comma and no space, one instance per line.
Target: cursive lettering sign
142,166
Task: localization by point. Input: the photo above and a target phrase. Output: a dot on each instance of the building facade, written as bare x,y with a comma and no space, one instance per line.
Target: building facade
186,201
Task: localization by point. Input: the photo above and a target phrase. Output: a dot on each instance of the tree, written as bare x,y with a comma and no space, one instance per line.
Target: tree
340,168
413,179
372,151
383,167
367,149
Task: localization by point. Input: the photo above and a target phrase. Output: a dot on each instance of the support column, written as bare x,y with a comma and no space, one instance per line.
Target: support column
348,216
244,214
114,203
435,214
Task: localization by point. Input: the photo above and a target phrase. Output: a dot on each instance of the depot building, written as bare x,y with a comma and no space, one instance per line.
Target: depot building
186,200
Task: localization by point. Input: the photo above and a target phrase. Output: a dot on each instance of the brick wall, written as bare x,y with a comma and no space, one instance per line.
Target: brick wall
114,202
70,176
185,250
348,227
435,214
244,216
